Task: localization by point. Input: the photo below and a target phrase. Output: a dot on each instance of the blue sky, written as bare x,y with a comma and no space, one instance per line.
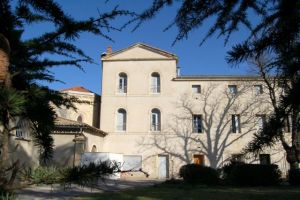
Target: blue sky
208,59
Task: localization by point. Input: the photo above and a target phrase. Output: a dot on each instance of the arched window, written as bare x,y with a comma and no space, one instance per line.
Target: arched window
121,120
155,120
22,127
155,82
122,83
94,148
79,118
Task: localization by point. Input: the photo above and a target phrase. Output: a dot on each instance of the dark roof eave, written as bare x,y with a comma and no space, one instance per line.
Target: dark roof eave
218,78
66,128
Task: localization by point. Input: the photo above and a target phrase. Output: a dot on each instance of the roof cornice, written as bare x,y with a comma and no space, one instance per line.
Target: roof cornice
169,56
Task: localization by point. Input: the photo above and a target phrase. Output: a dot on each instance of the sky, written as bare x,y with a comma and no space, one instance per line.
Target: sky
208,59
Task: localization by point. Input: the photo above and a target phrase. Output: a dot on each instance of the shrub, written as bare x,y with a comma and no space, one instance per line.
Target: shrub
42,175
227,168
294,176
198,174
253,174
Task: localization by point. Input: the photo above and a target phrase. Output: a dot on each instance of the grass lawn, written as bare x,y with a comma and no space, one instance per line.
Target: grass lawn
186,192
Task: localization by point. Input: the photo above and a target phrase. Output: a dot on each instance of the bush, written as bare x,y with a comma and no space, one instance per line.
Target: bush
42,175
252,174
198,174
226,170
294,176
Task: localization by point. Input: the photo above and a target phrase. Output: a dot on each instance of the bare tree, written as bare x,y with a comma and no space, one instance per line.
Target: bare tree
216,106
284,121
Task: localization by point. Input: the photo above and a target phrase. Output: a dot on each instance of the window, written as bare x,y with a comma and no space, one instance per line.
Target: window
121,120
197,124
287,125
264,159
232,89
22,126
235,124
198,159
261,122
122,83
258,89
79,118
237,158
155,83
155,120
196,89
94,148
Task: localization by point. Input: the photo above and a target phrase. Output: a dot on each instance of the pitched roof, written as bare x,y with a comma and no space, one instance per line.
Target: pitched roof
63,125
77,89
144,46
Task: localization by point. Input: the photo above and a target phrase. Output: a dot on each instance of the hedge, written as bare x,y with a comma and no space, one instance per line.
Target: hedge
197,174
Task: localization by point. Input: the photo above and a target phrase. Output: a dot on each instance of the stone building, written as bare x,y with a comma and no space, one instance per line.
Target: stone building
159,120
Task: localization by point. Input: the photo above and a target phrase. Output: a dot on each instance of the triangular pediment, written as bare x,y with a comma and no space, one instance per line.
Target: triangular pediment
140,52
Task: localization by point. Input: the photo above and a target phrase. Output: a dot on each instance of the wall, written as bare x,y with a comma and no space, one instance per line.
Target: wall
177,103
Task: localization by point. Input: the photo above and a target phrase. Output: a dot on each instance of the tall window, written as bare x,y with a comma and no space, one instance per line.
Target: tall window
121,120
155,120
122,83
258,89
79,118
232,89
287,125
235,124
261,122
197,124
22,127
155,83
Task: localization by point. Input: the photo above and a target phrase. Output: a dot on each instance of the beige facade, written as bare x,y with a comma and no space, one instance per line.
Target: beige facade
159,120
217,103
76,132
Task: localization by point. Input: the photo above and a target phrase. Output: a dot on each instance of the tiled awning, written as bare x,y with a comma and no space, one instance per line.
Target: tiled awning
68,126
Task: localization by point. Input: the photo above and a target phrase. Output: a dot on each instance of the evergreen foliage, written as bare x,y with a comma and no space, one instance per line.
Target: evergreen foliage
30,61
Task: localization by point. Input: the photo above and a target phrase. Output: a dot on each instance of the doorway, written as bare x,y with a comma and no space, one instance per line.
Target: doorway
163,166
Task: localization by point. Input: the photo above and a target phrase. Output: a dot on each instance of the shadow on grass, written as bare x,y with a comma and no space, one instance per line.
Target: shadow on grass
184,191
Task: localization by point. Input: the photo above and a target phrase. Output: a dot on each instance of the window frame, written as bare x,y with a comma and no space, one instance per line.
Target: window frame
196,89
232,89
257,91
197,124
122,83
155,125
155,83
123,126
236,123
21,129
261,119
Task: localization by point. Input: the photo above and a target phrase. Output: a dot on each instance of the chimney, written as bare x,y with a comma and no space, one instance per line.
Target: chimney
109,50
178,71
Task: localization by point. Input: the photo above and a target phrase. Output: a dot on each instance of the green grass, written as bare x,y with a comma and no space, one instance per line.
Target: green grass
186,192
